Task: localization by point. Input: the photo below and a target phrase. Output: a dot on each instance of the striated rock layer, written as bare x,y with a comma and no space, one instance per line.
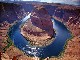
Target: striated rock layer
39,28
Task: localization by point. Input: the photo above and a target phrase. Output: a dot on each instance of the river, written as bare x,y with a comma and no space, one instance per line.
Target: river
54,49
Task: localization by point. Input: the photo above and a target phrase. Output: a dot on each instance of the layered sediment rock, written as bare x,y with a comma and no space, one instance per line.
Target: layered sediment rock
70,16
39,28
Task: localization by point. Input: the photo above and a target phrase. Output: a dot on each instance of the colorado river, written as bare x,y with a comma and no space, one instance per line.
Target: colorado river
54,49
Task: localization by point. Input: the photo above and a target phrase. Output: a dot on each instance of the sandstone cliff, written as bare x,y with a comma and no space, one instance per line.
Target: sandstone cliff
39,28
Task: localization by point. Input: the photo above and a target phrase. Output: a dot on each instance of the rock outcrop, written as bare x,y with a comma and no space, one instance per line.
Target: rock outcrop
39,28
70,16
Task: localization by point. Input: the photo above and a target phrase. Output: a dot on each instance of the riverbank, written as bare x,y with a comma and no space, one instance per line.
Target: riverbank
38,29
37,40
51,48
71,52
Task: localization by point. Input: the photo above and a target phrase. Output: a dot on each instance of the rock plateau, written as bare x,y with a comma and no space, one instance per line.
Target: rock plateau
39,28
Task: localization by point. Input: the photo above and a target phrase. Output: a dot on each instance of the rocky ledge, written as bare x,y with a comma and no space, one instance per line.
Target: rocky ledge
39,28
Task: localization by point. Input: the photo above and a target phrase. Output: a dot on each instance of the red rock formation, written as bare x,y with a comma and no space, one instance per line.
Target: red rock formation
39,27
70,16
14,58
41,19
0,55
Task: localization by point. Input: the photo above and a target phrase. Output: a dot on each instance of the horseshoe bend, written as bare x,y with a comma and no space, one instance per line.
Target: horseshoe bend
38,29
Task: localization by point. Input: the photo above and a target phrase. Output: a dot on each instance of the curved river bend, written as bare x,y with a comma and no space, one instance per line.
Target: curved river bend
54,49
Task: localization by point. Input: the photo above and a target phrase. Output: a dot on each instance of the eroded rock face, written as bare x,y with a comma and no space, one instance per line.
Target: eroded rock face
39,28
70,15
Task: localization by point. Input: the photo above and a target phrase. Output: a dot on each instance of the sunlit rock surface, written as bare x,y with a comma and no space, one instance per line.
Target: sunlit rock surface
39,28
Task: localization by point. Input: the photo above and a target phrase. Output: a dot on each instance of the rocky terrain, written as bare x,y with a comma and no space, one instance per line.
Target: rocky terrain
39,28
69,15
71,18
7,50
3,35
11,12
